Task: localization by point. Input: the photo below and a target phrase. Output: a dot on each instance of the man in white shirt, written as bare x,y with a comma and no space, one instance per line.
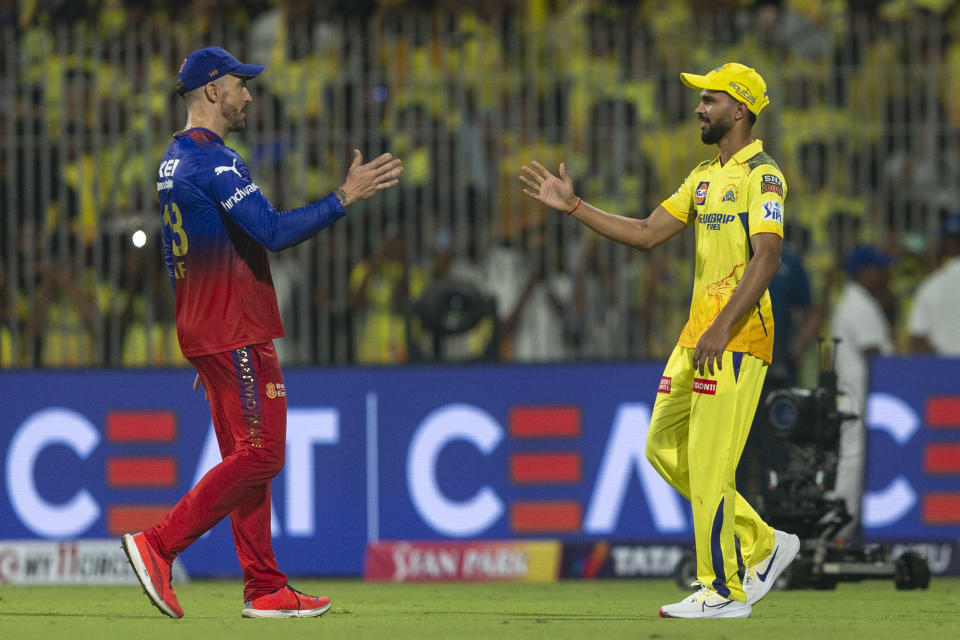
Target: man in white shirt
935,317
859,322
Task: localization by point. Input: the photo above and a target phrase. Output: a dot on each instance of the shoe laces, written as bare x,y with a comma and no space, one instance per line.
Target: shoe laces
302,597
703,592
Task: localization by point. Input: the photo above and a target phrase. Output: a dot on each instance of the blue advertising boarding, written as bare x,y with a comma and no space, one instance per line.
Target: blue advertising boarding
413,453
913,450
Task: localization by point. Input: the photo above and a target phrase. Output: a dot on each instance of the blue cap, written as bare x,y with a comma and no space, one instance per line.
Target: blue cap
951,226
863,256
205,65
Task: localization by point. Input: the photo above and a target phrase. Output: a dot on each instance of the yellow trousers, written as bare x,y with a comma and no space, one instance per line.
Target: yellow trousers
697,432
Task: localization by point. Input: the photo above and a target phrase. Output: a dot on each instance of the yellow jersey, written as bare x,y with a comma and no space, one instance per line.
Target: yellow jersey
728,204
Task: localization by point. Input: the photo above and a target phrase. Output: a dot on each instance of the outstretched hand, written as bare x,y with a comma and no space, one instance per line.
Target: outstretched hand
364,180
547,188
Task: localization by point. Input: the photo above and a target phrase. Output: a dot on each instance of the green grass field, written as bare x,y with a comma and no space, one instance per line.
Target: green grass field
570,609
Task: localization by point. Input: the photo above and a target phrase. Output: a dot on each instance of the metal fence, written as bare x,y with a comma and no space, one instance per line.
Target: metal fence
863,121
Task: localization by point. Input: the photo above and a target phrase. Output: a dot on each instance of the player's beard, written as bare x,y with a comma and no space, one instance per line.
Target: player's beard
716,130
236,121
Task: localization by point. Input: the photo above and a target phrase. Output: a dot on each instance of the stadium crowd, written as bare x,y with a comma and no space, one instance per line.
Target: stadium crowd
457,265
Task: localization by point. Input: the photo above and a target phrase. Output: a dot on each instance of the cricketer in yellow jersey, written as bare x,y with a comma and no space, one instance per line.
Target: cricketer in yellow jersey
711,384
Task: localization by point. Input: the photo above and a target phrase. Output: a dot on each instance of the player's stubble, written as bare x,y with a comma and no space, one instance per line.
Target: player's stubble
236,118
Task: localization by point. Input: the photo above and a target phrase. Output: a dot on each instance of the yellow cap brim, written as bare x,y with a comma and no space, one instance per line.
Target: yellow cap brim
695,81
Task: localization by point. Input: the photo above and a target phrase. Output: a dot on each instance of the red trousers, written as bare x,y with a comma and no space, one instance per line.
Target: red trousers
249,407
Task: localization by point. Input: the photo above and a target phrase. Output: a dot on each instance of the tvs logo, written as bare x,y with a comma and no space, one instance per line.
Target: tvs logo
704,386
664,385
702,193
276,390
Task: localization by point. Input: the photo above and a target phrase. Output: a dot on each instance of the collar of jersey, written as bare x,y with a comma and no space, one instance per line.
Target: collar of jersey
183,132
744,154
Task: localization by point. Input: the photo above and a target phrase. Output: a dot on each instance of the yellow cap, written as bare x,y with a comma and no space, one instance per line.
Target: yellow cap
741,82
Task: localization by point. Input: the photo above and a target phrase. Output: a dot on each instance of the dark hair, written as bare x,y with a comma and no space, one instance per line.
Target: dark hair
752,117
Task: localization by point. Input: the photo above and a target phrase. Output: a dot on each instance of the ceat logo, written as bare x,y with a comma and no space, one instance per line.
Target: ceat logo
702,193
467,516
73,515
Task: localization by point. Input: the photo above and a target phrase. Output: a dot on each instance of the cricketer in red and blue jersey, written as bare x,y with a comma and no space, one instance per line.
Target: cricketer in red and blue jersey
217,228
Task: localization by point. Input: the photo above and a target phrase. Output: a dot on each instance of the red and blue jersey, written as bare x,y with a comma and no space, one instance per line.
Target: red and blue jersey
217,227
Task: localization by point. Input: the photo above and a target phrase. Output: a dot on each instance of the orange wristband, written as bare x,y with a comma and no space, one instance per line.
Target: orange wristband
579,200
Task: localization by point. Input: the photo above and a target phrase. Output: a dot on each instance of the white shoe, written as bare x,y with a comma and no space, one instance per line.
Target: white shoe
706,603
759,578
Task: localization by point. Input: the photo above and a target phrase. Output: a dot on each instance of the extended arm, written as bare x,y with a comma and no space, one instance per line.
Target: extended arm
249,207
756,278
557,192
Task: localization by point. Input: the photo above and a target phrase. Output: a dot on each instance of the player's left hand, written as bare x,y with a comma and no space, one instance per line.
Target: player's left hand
365,179
710,348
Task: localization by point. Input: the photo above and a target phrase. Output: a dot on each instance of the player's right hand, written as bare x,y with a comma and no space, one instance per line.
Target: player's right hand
547,188
364,180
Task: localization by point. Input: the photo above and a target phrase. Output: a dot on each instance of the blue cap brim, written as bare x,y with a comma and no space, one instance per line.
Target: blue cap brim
248,70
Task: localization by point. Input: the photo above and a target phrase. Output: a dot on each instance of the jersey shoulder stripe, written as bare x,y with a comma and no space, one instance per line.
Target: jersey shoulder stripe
760,159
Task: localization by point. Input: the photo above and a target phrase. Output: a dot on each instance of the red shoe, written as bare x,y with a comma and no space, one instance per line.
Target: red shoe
286,602
153,572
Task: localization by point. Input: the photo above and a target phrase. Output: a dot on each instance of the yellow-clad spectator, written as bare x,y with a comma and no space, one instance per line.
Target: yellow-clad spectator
381,288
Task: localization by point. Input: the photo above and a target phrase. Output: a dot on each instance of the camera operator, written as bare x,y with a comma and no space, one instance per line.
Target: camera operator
861,325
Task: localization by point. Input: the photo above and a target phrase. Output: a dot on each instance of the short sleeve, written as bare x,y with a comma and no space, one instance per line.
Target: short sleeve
766,189
681,204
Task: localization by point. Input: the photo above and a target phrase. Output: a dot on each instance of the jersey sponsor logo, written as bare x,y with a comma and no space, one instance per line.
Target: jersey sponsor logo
664,385
702,193
165,174
224,168
276,390
239,195
714,220
770,183
704,386
772,210
168,167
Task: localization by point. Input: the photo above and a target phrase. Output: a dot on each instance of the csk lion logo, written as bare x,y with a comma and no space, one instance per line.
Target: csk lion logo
721,289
